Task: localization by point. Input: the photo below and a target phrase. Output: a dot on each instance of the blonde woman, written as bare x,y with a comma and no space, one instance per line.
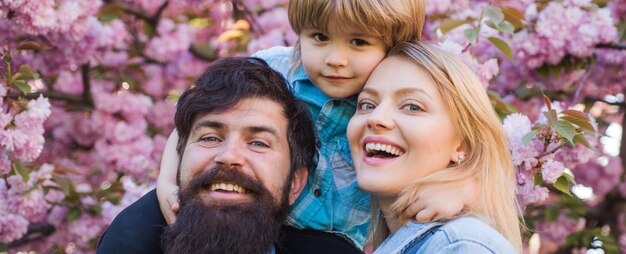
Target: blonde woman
423,117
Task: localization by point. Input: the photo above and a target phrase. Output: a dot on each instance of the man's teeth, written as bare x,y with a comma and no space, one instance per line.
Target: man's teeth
227,187
371,147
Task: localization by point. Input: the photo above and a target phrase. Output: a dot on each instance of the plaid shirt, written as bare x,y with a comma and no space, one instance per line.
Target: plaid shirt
331,200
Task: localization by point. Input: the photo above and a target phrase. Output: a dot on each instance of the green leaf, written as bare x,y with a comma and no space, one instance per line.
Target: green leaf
22,86
3,247
538,179
552,118
65,184
502,46
73,215
580,139
471,34
513,16
506,27
566,130
584,124
95,209
451,24
494,14
552,214
27,72
570,178
581,119
22,170
490,23
528,137
562,185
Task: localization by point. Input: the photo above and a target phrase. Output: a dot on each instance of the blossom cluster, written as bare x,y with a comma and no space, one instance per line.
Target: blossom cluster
555,26
21,131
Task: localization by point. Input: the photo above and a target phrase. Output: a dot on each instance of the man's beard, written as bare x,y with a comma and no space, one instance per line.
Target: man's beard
226,227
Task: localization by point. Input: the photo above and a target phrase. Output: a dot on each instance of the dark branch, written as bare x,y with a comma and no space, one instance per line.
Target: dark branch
593,99
35,232
50,95
581,83
621,46
546,153
84,70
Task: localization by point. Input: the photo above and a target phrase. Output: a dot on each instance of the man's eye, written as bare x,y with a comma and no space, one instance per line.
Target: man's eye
412,107
359,42
366,106
209,139
259,144
320,37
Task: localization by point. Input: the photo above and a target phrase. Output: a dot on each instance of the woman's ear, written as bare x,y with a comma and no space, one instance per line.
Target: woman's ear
297,184
458,156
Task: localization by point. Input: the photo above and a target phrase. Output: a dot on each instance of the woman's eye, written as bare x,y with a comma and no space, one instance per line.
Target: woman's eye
359,42
320,37
412,107
366,106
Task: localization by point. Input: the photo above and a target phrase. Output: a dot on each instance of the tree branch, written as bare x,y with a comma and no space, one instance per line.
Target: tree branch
546,153
594,99
86,96
139,13
621,46
35,232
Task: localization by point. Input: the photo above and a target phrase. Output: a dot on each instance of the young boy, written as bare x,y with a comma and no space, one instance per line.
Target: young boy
340,43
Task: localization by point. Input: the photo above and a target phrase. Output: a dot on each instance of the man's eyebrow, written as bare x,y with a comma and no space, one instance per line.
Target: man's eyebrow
257,129
207,123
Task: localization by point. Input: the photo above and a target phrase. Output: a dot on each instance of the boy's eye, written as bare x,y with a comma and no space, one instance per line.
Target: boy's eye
366,106
412,107
320,37
359,42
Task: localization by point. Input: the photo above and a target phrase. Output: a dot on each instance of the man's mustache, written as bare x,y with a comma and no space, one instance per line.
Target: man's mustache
223,174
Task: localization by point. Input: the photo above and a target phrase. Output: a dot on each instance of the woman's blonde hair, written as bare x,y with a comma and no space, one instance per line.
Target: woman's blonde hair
393,20
487,157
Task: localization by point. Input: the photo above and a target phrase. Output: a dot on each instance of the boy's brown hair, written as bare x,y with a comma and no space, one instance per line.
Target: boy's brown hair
394,21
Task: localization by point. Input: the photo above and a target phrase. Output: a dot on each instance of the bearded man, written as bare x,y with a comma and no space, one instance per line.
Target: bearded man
245,146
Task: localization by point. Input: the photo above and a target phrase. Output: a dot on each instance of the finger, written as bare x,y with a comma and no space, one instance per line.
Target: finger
175,207
412,210
425,215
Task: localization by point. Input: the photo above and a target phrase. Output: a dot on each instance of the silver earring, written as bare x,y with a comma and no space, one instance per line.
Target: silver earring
461,158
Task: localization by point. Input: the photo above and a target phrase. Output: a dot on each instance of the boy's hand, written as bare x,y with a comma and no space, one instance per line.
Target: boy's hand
167,189
168,200
442,201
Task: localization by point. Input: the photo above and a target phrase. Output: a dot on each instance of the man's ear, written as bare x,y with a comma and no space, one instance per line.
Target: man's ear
297,184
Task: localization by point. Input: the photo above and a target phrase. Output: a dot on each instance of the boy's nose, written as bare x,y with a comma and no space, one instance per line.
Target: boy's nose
336,58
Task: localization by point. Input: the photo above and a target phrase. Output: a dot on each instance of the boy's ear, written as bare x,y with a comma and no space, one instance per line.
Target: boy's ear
297,184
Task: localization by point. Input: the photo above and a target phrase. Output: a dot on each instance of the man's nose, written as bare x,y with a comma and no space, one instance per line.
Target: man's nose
336,57
230,154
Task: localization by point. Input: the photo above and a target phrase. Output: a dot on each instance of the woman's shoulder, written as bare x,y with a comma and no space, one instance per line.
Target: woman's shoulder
468,234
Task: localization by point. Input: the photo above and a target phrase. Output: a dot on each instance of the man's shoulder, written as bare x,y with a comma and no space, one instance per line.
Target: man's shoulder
313,241
137,229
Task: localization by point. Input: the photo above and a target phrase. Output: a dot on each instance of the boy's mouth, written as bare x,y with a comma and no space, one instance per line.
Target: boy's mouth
336,77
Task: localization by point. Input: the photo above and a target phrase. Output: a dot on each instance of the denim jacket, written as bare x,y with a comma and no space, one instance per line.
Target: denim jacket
467,234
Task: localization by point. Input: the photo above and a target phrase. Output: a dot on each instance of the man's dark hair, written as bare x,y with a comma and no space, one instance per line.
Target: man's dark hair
229,80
